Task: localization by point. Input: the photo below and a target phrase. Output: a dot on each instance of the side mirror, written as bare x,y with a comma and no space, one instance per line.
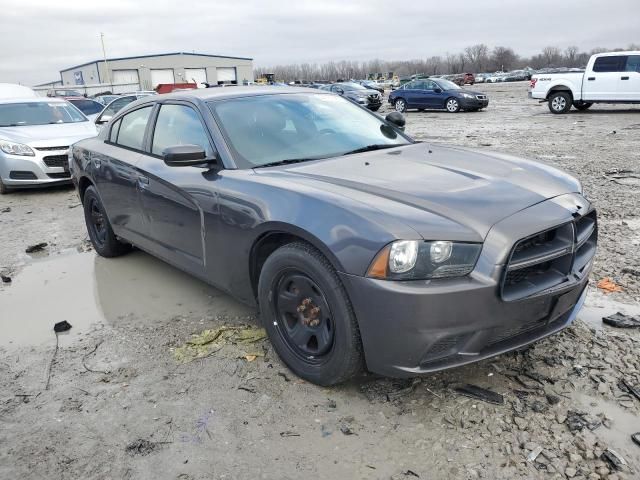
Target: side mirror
339,91
185,156
437,90
396,119
102,119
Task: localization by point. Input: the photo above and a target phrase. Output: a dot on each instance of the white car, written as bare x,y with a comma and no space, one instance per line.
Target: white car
13,90
612,77
35,135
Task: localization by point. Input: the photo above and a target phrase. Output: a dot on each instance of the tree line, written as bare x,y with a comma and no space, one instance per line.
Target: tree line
475,58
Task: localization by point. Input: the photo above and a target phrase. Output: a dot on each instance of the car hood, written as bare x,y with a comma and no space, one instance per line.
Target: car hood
363,93
59,134
441,192
471,92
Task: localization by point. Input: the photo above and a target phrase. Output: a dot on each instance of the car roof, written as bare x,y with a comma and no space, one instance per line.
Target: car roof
33,100
208,94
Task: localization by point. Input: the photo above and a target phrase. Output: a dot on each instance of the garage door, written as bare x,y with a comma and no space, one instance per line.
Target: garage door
226,74
161,75
125,76
197,75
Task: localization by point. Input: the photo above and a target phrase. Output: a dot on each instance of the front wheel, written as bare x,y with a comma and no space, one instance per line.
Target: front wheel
400,105
452,105
101,234
582,105
559,102
307,315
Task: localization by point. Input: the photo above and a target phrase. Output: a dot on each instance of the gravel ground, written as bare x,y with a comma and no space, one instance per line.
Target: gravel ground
112,401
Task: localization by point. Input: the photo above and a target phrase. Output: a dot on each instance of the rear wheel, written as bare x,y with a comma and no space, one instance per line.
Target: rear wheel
559,102
452,105
101,234
582,105
307,315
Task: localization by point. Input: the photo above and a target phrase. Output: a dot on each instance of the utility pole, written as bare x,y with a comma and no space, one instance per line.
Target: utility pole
106,64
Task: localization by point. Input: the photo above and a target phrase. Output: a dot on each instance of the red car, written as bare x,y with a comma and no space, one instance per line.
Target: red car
464,79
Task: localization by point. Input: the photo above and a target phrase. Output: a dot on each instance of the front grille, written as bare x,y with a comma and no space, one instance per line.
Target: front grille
20,175
59,175
481,97
56,160
547,259
49,149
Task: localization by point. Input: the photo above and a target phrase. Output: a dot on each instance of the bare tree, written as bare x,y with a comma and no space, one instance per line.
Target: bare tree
477,56
503,58
552,56
571,56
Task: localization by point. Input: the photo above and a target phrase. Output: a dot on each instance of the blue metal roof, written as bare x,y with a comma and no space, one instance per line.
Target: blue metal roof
156,55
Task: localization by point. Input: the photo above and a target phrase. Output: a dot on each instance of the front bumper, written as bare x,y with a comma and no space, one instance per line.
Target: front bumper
417,327
466,103
19,171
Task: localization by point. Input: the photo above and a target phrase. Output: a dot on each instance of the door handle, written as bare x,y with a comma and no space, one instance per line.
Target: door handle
624,78
591,78
143,182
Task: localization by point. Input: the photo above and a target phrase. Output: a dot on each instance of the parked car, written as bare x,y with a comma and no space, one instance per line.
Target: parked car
371,86
114,107
63,92
12,90
89,107
35,134
105,99
357,93
464,79
612,77
436,94
358,245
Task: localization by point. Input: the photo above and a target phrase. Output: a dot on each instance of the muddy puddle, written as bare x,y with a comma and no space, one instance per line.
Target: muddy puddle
89,291
599,305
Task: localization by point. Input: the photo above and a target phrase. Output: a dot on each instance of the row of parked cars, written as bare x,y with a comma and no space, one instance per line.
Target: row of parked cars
36,132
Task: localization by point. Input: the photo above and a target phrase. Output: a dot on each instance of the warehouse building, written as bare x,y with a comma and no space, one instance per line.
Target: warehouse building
147,71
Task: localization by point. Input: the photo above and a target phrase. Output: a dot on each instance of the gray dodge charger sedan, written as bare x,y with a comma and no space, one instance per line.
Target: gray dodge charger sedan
361,247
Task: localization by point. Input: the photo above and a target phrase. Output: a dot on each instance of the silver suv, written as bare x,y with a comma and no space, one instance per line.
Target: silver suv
35,135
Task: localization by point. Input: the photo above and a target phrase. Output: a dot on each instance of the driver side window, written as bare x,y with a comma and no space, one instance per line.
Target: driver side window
179,125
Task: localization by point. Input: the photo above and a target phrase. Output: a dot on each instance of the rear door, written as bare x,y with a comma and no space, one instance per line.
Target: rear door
602,81
114,168
171,196
629,83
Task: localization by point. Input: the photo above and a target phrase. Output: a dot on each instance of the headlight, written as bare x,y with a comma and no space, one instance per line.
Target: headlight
467,95
16,148
419,260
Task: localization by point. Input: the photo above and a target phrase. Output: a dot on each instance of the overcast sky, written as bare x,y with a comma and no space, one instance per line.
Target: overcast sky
38,38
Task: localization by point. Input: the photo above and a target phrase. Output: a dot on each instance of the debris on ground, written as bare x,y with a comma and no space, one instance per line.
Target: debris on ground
636,438
142,447
480,393
614,459
577,421
630,388
534,454
608,285
620,320
38,247
5,279
289,434
346,430
210,341
62,326
6,210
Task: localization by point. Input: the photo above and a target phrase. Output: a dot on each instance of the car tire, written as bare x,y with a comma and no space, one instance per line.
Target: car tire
582,105
99,228
295,279
374,109
560,102
3,188
452,105
400,105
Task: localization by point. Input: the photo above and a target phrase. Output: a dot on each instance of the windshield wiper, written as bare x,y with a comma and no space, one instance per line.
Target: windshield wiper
370,148
287,161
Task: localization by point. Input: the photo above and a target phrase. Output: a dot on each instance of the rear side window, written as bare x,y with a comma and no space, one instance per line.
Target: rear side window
117,105
178,125
633,63
132,127
610,64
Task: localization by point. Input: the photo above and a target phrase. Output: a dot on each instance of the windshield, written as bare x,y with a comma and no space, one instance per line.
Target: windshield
38,113
88,107
447,85
351,86
273,128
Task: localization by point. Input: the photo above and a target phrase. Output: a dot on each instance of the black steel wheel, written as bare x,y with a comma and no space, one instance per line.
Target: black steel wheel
100,232
308,316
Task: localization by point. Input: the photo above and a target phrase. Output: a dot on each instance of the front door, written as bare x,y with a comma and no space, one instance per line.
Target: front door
172,197
602,82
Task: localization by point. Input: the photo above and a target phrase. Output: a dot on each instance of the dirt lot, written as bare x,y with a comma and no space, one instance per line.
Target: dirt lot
113,401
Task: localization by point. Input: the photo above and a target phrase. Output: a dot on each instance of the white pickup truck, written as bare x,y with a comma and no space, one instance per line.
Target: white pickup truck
612,77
